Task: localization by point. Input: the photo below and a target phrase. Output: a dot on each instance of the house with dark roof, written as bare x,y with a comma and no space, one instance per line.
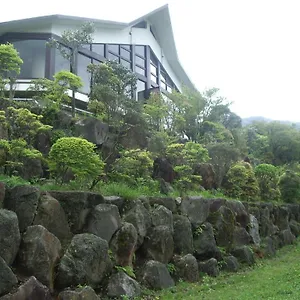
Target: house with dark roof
145,45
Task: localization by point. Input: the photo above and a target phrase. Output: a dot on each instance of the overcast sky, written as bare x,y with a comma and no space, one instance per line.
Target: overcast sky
249,49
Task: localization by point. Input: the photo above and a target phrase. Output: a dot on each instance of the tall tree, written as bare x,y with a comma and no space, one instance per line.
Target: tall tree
73,40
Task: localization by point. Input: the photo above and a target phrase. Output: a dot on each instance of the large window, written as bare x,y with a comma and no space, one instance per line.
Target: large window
33,53
82,63
140,60
61,63
153,68
98,48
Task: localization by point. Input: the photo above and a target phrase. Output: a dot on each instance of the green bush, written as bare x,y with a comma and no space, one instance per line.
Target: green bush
76,155
268,178
289,185
240,182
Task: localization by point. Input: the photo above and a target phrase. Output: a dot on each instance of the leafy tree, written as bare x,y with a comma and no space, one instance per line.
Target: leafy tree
73,40
10,66
240,182
289,185
212,133
76,155
268,177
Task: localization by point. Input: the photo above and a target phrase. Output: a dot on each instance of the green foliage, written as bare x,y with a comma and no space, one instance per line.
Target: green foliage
12,181
240,182
268,177
127,269
289,185
76,155
214,133
171,268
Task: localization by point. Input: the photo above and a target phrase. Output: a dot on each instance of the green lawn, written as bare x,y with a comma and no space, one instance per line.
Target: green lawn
277,278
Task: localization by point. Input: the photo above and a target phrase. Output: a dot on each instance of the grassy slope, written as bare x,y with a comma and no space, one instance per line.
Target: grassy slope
277,278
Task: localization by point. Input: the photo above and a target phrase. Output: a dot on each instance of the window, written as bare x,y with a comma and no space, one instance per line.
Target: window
140,50
61,63
140,86
140,71
82,63
153,78
111,56
127,47
126,63
113,48
98,48
140,62
33,54
125,53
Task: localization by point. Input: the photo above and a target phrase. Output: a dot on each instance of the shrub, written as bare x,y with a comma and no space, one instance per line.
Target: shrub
289,185
268,178
76,155
240,182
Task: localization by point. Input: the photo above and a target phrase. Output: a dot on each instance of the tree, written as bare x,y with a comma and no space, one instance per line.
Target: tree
76,155
73,40
10,66
289,185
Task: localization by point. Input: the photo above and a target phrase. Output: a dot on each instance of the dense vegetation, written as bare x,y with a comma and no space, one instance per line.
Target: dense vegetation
192,132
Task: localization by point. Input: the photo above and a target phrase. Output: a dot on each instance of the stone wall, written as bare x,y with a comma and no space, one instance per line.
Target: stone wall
79,245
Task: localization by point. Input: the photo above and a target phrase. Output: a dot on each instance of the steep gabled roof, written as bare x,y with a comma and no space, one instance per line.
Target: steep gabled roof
159,19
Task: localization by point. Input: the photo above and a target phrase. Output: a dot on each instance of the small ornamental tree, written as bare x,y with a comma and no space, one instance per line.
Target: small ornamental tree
76,155
268,178
240,182
289,185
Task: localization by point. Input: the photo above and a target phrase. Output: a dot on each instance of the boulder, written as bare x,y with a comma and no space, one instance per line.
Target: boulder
196,209
43,142
295,228
186,268
121,285
266,225
207,172
281,218
183,235
115,200
9,235
268,247
241,215
155,275
204,242
32,289
2,194
162,216
244,255
85,261
209,267
230,264
140,218
84,293
51,215
167,202
77,205
32,168
7,278
123,244
286,237
240,237
165,187
163,169
23,200
103,221
159,244
254,230
39,254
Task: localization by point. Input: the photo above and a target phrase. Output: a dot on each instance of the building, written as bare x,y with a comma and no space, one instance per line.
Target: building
145,45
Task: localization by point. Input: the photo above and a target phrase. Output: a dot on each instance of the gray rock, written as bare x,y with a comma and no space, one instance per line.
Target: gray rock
159,244
241,215
266,225
120,284
244,255
51,215
77,206
209,267
7,278
9,235
295,228
32,289
103,221
230,264
162,216
268,247
183,235
115,200
85,261
39,254
254,230
240,237
281,218
155,275
286,237
23,200
167,202
85,293
186,268
204,242
123,244
196,209
2,194
139,216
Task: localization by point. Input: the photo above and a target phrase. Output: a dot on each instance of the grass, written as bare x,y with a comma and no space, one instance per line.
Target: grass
273,279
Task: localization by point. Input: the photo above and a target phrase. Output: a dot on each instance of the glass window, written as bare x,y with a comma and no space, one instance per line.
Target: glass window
140,86
86,46
163,85
126,63
154,78
163,76
153,59
112,57
113,48
33,53
139,61
124,53
153,70
169,89
127,47
82,63
140,50
140,71
61,63
98,48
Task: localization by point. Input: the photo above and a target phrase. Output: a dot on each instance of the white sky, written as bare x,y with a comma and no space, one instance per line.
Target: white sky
250,49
